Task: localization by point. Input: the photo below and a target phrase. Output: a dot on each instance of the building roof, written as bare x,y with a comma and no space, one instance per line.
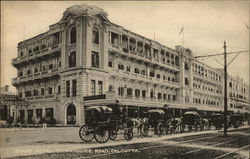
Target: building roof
86,10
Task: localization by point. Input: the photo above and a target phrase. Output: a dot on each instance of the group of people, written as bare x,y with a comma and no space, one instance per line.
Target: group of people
34,121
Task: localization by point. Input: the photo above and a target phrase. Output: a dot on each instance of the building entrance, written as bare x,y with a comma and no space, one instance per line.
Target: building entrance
71,114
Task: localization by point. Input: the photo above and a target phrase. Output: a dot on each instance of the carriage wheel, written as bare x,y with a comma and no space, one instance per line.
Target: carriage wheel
101,134
113,134
159,129
86,133
128,134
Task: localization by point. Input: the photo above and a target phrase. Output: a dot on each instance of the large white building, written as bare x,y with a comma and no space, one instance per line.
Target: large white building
84,59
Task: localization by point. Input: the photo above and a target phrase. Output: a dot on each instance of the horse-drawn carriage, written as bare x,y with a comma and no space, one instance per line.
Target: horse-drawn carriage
102,123
217,120
158,121
236,120
191,120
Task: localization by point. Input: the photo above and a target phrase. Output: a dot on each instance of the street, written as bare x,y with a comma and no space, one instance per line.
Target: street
65,143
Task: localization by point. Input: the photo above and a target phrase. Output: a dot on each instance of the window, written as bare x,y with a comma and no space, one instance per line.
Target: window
100,87
177,61
186,67
21,53
143,72
151,74
95,59
159,96
129,92
59,89
42,91
137,70
28,93
164,96
29,72
72,59
67,88
128,68
186,81
50,90
73,35
111,88
20,94
230,84
137,93
120,91
143,94
20,74
43,68
59,64
74,86
158,76
110,64
151,94
95,36
174,97
168,78
36,70
35,92
120,66
92,87
50,66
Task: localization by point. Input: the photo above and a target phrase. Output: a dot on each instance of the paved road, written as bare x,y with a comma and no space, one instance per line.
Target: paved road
65,142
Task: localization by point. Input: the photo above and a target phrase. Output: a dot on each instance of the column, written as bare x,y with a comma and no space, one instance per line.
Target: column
26,115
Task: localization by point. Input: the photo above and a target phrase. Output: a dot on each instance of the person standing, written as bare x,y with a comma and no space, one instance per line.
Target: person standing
44,122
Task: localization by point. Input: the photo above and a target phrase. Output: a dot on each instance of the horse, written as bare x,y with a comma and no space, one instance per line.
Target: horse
138,123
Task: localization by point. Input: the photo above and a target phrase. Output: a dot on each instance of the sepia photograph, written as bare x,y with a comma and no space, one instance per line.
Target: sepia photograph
124,79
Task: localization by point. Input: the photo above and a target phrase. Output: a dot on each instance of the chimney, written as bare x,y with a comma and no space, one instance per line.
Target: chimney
7,88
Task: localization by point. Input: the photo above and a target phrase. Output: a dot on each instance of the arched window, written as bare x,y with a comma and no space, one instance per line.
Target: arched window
28,93
73,35
29,72
35,92
59,64
95,36
72,59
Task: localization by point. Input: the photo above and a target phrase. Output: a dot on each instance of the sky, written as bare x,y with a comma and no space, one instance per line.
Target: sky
207,24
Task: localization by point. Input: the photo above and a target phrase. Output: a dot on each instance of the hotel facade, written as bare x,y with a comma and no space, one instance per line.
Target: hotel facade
84,59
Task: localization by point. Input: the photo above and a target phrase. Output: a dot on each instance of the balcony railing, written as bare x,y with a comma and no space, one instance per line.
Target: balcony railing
46,51
38,75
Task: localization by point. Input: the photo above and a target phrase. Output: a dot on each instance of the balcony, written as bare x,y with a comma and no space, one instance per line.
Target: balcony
36,76
144,78
36,55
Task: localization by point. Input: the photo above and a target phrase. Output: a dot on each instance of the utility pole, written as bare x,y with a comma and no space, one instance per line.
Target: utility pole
225,90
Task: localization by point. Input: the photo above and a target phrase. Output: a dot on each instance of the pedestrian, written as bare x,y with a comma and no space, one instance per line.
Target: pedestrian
19,122
44,122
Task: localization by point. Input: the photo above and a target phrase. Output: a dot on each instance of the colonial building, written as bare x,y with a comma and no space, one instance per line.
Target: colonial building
84,59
